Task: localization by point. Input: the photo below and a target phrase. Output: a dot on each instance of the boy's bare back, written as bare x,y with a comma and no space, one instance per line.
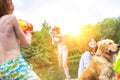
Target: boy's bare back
10,37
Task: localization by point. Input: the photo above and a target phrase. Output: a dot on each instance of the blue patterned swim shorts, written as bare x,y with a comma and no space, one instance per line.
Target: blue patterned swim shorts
17,69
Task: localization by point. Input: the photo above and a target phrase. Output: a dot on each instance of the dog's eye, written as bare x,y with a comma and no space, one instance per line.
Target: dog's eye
110,43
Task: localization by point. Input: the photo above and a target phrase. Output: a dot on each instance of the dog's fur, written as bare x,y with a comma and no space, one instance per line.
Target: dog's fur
101,65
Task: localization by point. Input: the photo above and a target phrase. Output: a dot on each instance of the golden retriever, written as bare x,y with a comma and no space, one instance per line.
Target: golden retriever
101,65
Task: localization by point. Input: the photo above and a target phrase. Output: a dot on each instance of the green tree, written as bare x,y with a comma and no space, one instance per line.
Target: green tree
41,52
117,30
109,28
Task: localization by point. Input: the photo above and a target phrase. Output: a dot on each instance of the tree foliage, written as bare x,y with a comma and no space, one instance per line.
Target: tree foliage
41,52
109,28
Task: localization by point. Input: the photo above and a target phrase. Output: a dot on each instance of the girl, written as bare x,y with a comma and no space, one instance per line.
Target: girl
87,55
57,38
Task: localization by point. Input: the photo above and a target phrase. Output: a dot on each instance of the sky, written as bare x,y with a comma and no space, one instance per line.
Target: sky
69,15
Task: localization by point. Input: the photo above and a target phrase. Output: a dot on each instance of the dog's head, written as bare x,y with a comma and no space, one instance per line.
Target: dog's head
107,48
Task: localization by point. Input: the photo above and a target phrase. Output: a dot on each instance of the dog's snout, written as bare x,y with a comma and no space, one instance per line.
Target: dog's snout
118,45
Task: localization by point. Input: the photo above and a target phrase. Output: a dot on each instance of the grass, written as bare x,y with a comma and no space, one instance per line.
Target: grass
54,72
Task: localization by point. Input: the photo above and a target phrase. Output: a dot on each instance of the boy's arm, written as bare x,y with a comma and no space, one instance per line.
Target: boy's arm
20,34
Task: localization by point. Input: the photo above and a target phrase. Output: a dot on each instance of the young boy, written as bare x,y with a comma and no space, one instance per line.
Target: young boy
12,64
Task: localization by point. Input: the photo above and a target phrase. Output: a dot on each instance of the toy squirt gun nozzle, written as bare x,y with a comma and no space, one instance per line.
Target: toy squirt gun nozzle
25,26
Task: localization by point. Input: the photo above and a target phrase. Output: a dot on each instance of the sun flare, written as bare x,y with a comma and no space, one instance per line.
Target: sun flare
71,31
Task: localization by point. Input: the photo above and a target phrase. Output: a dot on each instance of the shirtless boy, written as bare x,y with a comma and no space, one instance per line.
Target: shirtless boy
12,64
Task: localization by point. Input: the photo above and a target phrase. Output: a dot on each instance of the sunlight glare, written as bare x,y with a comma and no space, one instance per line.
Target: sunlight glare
71,31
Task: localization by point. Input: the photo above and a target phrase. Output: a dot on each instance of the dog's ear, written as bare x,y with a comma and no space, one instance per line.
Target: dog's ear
103,48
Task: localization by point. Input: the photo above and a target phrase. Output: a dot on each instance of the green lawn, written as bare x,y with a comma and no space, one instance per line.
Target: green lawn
54,72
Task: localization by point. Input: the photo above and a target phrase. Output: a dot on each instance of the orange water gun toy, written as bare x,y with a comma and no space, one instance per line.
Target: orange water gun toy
25,26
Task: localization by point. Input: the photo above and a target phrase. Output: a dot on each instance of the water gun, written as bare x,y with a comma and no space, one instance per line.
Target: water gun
25,26
117,76
117,63
117,66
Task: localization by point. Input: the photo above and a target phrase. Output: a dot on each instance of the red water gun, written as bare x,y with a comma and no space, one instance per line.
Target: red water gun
25,26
